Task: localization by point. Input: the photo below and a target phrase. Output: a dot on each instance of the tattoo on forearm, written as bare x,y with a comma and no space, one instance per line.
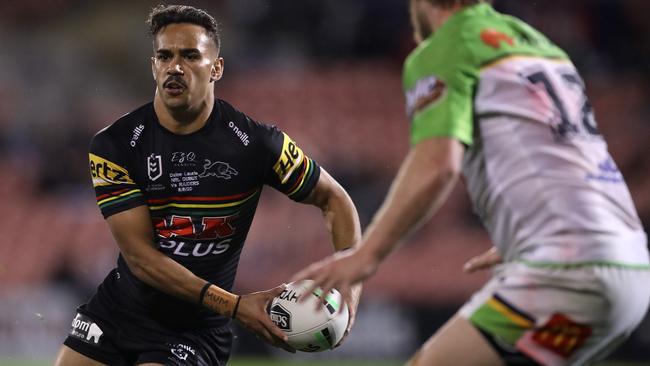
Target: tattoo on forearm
218,303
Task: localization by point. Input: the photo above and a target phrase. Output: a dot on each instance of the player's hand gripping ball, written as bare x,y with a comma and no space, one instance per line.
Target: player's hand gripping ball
310,329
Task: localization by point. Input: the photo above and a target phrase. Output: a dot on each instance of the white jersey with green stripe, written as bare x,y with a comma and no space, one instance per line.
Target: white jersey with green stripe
537,170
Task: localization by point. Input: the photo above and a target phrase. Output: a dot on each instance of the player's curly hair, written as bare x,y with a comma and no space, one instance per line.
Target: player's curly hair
163,15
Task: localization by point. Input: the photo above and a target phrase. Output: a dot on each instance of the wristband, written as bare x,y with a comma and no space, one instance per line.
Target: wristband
203,291
234,311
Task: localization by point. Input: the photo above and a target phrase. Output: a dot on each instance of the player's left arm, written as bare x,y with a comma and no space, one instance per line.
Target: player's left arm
422,185
342,221
292,172
339,212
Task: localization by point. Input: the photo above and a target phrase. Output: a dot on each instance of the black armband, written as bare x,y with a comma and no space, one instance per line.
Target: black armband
234,311
203,291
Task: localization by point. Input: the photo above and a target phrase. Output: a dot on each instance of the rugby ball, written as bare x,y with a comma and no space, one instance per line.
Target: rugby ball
310,329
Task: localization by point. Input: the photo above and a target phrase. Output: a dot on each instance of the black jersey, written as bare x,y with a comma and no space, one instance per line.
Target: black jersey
202,191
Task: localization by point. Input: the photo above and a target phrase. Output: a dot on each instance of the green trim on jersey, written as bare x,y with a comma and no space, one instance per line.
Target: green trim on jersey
441,74
558,265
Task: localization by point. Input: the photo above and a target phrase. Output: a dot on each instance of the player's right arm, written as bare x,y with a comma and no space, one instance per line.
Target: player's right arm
122,204
133,232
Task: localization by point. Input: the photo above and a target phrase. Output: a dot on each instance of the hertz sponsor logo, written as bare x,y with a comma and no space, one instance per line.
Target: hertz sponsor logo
105,173
290,158
426,92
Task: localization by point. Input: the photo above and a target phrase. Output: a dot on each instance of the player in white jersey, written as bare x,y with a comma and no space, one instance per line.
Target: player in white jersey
490,96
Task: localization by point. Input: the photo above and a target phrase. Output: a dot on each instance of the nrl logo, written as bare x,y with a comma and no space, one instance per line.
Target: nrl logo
217,169
154,166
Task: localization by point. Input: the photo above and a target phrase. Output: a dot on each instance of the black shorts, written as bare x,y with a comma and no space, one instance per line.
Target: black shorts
103,343
116,327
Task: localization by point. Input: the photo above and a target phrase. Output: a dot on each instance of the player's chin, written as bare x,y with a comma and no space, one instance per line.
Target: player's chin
176,102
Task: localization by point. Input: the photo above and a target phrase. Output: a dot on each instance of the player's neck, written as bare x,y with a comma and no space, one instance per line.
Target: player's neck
183,121
438,16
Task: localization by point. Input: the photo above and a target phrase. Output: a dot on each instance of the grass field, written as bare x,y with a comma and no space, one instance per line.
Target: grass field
270,362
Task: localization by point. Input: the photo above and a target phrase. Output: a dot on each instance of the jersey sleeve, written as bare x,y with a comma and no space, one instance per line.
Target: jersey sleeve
439,86
290,170
115,189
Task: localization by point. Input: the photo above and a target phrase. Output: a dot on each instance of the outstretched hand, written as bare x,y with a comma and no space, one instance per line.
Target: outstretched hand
252,315
341,270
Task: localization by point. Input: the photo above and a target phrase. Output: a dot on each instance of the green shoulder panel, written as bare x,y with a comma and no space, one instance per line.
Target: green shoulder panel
441,74
438,83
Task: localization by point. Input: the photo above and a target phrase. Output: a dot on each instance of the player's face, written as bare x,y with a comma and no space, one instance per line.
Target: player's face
185,64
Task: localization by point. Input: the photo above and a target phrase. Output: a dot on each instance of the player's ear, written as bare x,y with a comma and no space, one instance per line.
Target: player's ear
216,71
153,67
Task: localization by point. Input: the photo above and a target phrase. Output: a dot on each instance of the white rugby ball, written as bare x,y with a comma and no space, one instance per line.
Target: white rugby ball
310,329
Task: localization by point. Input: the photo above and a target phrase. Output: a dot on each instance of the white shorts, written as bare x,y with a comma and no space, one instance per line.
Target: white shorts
561,315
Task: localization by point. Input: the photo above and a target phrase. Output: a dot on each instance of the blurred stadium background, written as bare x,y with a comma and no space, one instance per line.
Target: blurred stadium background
327,73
